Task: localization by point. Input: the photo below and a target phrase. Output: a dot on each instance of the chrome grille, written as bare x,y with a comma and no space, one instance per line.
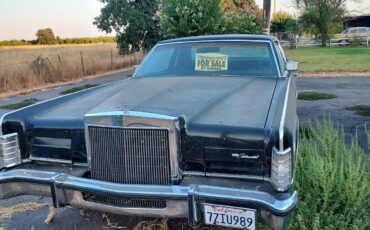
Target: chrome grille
130,156
125,202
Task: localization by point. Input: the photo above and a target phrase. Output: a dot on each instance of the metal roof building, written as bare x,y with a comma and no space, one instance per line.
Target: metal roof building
357,21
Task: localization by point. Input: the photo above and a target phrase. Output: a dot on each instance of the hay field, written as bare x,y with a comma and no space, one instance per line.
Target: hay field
23,69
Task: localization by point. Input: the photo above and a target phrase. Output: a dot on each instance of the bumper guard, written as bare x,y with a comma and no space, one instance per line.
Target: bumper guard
182,201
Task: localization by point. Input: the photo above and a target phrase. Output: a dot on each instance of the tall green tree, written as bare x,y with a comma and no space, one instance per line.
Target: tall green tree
279,21
239,22
136,23
239,5
240,16
321,15
182,18
45,36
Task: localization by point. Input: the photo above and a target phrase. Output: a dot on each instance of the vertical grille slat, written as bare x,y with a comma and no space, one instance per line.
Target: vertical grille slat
130,156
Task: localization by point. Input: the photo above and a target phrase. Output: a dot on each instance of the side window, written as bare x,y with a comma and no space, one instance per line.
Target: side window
281,56
363,30
345,31
160,60
353,31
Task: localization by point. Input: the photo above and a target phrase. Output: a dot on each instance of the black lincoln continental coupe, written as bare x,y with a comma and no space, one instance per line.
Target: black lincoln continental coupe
205,129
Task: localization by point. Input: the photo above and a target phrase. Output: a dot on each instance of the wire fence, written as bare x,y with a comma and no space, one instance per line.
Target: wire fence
41,70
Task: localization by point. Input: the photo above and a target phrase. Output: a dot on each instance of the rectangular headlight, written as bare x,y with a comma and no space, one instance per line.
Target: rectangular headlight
281,169
10,154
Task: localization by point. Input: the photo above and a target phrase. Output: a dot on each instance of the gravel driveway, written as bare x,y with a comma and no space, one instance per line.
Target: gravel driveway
350,91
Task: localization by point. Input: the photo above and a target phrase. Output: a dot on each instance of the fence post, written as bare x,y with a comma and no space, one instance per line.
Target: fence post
83,65
367,40
111,59
60,60
39,60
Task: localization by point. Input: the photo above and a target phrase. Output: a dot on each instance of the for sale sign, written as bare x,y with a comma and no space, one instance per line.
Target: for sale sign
211,62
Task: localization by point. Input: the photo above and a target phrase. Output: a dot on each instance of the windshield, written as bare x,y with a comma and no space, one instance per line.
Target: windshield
210,59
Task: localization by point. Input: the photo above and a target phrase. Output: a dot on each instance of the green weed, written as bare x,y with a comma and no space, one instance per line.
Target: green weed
313,96
21,104
76,89
333,181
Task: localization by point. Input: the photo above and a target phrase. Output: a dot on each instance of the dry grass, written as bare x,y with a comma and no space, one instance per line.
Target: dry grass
109,224
8,212
23,69
152,225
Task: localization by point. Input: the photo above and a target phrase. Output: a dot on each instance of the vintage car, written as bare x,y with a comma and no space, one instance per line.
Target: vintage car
347,35
205,129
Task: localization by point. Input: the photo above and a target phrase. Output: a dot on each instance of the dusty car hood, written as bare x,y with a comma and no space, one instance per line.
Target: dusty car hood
229,101
219,116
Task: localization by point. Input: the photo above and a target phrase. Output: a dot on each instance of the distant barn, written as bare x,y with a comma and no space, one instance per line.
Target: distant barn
357,21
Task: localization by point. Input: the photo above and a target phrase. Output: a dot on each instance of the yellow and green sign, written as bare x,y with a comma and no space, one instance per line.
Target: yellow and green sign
211,62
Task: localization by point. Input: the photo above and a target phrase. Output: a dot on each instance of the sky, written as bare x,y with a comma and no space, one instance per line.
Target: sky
355,7
20,19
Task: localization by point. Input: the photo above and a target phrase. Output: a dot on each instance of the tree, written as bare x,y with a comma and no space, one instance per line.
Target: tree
136,23
182,18
45,36
279,21
248,6
241,23
266,15
240,16
321,15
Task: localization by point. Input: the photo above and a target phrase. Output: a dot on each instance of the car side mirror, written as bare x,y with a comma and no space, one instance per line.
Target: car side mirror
292,65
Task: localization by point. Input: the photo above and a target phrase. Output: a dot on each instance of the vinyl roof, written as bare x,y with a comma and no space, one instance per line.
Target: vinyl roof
221,37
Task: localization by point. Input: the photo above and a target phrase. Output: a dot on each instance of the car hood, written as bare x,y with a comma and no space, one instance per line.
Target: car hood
219,116
226,101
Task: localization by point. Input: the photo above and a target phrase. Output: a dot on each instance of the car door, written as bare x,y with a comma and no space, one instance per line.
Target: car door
363,32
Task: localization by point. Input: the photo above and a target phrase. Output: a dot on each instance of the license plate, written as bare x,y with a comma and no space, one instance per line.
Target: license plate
229,216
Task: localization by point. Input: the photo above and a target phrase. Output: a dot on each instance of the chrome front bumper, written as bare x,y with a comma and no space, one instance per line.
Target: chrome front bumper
182,201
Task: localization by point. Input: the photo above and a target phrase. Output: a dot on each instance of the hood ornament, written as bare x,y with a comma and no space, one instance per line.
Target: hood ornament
125,107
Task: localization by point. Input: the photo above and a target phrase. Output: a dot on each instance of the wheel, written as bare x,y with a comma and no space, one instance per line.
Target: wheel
343,42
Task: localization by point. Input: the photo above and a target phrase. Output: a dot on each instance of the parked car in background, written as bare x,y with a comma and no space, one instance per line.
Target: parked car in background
206,129
347,35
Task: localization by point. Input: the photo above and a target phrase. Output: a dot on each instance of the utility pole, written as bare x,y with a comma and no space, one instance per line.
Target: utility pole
266,16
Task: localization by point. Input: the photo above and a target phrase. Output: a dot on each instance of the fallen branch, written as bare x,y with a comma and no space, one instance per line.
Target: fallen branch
51,215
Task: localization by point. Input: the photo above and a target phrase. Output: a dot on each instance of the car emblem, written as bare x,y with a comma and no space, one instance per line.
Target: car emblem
244,156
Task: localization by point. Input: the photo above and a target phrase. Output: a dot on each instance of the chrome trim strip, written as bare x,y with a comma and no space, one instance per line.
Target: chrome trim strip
56,160
31,182
238,176
283,117
209,41
52,160
193,173
131,113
